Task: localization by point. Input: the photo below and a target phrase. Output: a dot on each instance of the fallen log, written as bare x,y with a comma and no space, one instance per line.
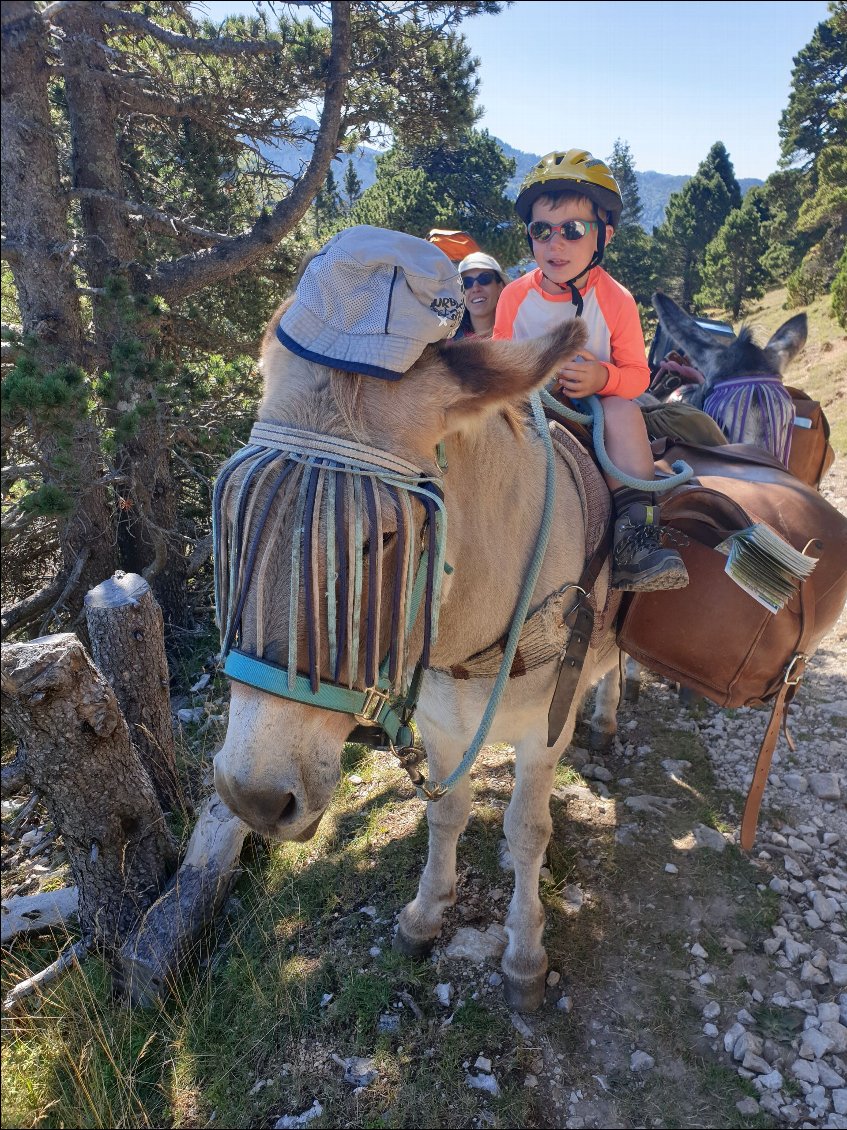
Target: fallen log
72,955
151,956
26,914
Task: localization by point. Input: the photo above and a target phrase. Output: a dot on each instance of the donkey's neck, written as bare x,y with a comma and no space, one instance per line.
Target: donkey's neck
494,495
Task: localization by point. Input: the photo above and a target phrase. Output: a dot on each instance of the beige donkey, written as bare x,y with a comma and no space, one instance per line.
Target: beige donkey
280,761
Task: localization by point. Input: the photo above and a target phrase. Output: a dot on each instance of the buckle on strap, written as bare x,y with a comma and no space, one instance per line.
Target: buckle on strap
789,670
375,700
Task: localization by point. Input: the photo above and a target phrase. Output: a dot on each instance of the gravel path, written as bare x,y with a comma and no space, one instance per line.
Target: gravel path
806,847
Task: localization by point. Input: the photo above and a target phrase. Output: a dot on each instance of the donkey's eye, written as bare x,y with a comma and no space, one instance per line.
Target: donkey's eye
387,539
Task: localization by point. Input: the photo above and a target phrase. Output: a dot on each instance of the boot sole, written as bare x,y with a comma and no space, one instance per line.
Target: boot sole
669,577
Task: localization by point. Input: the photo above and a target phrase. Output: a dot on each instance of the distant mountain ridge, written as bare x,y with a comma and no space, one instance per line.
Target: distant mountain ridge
655,189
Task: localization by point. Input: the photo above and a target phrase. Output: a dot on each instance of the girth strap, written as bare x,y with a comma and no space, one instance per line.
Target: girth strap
580,620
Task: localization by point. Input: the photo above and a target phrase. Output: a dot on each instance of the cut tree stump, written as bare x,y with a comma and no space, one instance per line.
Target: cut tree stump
151,956
125,627
80,759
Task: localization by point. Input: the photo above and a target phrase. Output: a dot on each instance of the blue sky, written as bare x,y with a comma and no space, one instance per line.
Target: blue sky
670,78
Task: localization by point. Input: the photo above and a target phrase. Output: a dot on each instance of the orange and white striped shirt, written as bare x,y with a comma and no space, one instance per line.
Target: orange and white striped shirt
609,313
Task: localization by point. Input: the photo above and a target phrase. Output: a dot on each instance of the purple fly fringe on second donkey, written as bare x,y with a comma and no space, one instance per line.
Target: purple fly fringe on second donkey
761,401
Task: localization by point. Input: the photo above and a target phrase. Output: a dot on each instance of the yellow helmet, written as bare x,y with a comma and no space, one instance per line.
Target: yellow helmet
576,170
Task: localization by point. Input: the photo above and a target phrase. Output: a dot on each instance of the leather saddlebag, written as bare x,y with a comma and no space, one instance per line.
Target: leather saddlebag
712,636
811,454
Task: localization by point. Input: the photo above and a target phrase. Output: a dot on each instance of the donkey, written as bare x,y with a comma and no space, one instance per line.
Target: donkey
280,760
742,387
742,390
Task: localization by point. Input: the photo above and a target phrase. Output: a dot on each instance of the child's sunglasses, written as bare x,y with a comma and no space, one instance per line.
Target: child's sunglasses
541,231
485,278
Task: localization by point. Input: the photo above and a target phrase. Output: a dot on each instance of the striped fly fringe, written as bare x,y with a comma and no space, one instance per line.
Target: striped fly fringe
340,520
761,399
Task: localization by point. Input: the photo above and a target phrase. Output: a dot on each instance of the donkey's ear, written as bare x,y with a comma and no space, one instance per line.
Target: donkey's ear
787,342
489,374
700,345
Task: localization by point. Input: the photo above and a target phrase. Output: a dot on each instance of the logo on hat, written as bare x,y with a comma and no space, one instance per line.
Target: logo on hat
449,310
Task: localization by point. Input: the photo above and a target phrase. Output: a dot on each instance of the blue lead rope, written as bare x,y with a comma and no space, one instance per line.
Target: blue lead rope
595,420
433,791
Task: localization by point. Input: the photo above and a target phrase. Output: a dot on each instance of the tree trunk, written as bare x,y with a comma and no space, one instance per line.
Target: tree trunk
80,758
36,221
150,958
127,645
110,250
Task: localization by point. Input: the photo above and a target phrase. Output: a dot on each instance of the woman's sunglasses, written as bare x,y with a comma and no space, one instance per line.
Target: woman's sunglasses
571,230
485,278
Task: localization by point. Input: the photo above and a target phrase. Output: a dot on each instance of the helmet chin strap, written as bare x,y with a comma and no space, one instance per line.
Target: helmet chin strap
576,297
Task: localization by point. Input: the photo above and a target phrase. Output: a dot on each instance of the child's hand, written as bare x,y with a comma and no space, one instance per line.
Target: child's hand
582,375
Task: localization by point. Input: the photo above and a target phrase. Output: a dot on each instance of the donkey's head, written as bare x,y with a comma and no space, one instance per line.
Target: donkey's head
322,521
718,359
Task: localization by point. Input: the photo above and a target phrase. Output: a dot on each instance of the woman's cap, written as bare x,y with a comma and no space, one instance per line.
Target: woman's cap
479,260
371,301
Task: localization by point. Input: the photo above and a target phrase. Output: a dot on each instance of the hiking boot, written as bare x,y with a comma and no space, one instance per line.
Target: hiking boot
640,563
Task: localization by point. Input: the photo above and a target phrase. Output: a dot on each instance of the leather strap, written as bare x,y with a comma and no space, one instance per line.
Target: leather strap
790,681
750,819
580,619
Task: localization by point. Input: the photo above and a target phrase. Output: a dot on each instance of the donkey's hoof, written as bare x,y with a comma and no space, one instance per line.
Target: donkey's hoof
524,996
601,740
688,697
631,690
412,947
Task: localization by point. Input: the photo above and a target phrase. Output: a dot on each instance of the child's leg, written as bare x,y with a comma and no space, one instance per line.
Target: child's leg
627,442
640,562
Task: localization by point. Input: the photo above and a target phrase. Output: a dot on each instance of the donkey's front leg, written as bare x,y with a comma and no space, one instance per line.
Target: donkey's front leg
420,920
527,825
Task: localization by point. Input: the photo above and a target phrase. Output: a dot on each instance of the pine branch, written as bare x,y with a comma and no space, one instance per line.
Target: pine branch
192,272
136,22
161,222
26,610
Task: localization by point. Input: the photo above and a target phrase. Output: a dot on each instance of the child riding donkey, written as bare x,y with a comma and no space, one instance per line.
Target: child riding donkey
571,204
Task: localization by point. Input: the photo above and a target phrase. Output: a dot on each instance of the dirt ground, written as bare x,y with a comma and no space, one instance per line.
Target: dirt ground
661,948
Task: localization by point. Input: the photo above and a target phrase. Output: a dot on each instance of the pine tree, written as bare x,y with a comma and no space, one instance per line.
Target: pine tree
630,256
692,220
352,185
779,201
458,184
810,121
622,166
732,271
717,161
813,129
143,137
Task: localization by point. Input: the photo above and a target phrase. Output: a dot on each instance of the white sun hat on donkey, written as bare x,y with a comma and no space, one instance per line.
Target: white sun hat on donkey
371,301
